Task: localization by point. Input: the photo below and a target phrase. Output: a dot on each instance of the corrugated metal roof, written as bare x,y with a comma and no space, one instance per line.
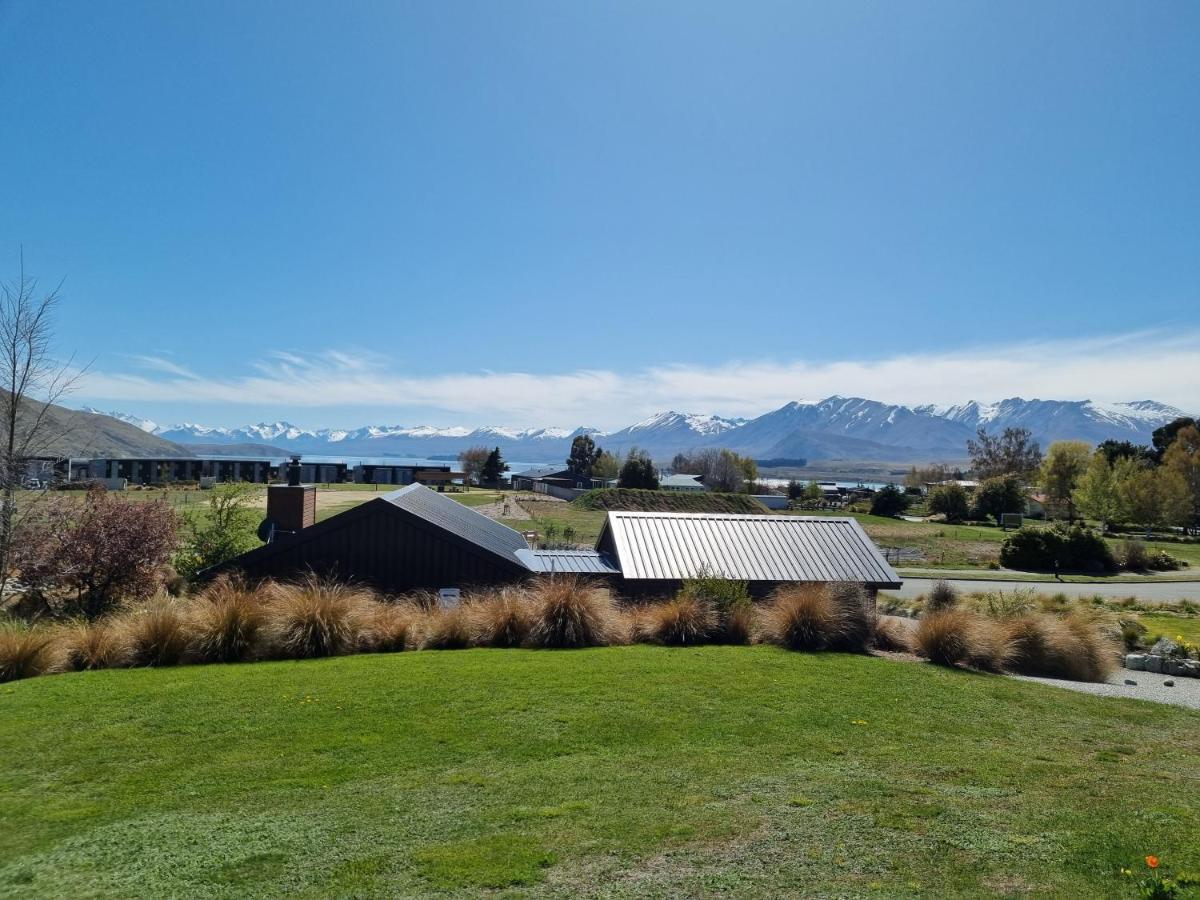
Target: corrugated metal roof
680,481
585,562
461,520
538,472
672,546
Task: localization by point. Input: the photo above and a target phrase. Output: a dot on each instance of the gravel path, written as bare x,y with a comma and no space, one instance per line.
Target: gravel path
1186,691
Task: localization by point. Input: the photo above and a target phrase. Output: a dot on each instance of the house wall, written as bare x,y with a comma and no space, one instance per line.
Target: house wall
388,551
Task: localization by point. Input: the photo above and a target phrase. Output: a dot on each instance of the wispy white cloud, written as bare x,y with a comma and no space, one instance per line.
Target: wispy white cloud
1144,365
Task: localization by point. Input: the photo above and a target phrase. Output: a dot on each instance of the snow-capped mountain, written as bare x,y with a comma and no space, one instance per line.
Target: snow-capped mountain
833,428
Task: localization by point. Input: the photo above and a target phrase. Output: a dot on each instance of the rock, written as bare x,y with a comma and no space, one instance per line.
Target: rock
1165,647
1130,681
1191,668
1135,661
1169,683
1154,664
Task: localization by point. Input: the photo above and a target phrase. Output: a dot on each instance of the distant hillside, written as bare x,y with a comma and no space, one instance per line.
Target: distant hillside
265,451
87,434
631,500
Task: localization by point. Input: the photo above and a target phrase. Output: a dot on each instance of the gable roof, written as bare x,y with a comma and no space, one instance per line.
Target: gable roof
674,546
681,481
415,502
541,472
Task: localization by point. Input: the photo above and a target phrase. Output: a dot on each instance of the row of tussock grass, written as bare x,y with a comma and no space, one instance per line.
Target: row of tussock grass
231,621
1000,634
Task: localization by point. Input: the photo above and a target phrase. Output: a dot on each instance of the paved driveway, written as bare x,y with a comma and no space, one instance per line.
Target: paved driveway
1151,592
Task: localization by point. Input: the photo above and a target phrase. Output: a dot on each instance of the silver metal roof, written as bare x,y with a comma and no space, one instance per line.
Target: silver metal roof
583,562
673,546
454,517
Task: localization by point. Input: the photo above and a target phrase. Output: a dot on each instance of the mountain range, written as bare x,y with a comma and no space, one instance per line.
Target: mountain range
833,428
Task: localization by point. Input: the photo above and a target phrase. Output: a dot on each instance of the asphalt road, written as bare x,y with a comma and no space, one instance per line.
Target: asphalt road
1149,591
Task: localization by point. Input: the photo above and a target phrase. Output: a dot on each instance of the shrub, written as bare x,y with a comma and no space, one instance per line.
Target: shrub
1134,555
949,637
24,651
1070,548
92,645
226,622
570,612
889,501
999,495
818,617
444,628
1070,648
156,633
315,618
388,627
942,595
682,621
950,500
730,602
499,619
892,634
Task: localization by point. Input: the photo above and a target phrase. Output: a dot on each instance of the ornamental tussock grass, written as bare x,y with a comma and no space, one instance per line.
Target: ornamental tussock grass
444,628
819,617
315,617
949,637
25,651
156,633
499,619
942,595
388,627
226,622
892,634
1071,648
570,612
682,621
91,645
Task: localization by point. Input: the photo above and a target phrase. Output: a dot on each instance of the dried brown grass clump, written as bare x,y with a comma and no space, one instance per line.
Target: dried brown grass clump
25,651
390,627
948,637
157,633
444,628
680,622
315,617
892,634
570,612
226,622
942,595
737,625
91,645
819,617
1071,648
499,619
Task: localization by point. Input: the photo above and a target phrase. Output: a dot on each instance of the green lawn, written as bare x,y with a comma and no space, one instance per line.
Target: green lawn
629,771
1172,626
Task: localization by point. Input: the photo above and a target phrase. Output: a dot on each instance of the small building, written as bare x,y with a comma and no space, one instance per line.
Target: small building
417,539
540,478
684,483
655,552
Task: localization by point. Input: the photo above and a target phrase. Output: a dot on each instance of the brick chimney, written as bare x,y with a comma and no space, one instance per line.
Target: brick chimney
292,506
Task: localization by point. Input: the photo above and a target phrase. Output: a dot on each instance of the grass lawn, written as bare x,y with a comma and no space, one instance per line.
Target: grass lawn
616,772
1172,626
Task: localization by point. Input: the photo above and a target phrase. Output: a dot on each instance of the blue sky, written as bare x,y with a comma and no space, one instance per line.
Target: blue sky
548,213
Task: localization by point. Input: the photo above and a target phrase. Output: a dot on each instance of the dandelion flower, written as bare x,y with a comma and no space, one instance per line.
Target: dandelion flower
1152,862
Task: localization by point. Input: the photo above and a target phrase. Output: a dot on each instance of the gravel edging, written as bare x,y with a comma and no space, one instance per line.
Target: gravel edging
1151,687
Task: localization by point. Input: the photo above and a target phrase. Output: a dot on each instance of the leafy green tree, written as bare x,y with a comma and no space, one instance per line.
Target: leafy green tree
583,456
225,529
1162,438
1114,450
813,493
1097,493
606,467
889,501
795,490
1064,465
638,471
493,467
1183,456
951,501
1156,498
996,496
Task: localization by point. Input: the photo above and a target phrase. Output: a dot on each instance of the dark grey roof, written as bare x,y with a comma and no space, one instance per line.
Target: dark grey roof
673,546
440,510
539,472
585,562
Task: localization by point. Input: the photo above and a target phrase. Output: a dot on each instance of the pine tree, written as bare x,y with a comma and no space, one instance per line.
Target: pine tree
493,467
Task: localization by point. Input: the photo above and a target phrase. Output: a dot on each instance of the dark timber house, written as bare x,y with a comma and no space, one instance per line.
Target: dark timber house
417,539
